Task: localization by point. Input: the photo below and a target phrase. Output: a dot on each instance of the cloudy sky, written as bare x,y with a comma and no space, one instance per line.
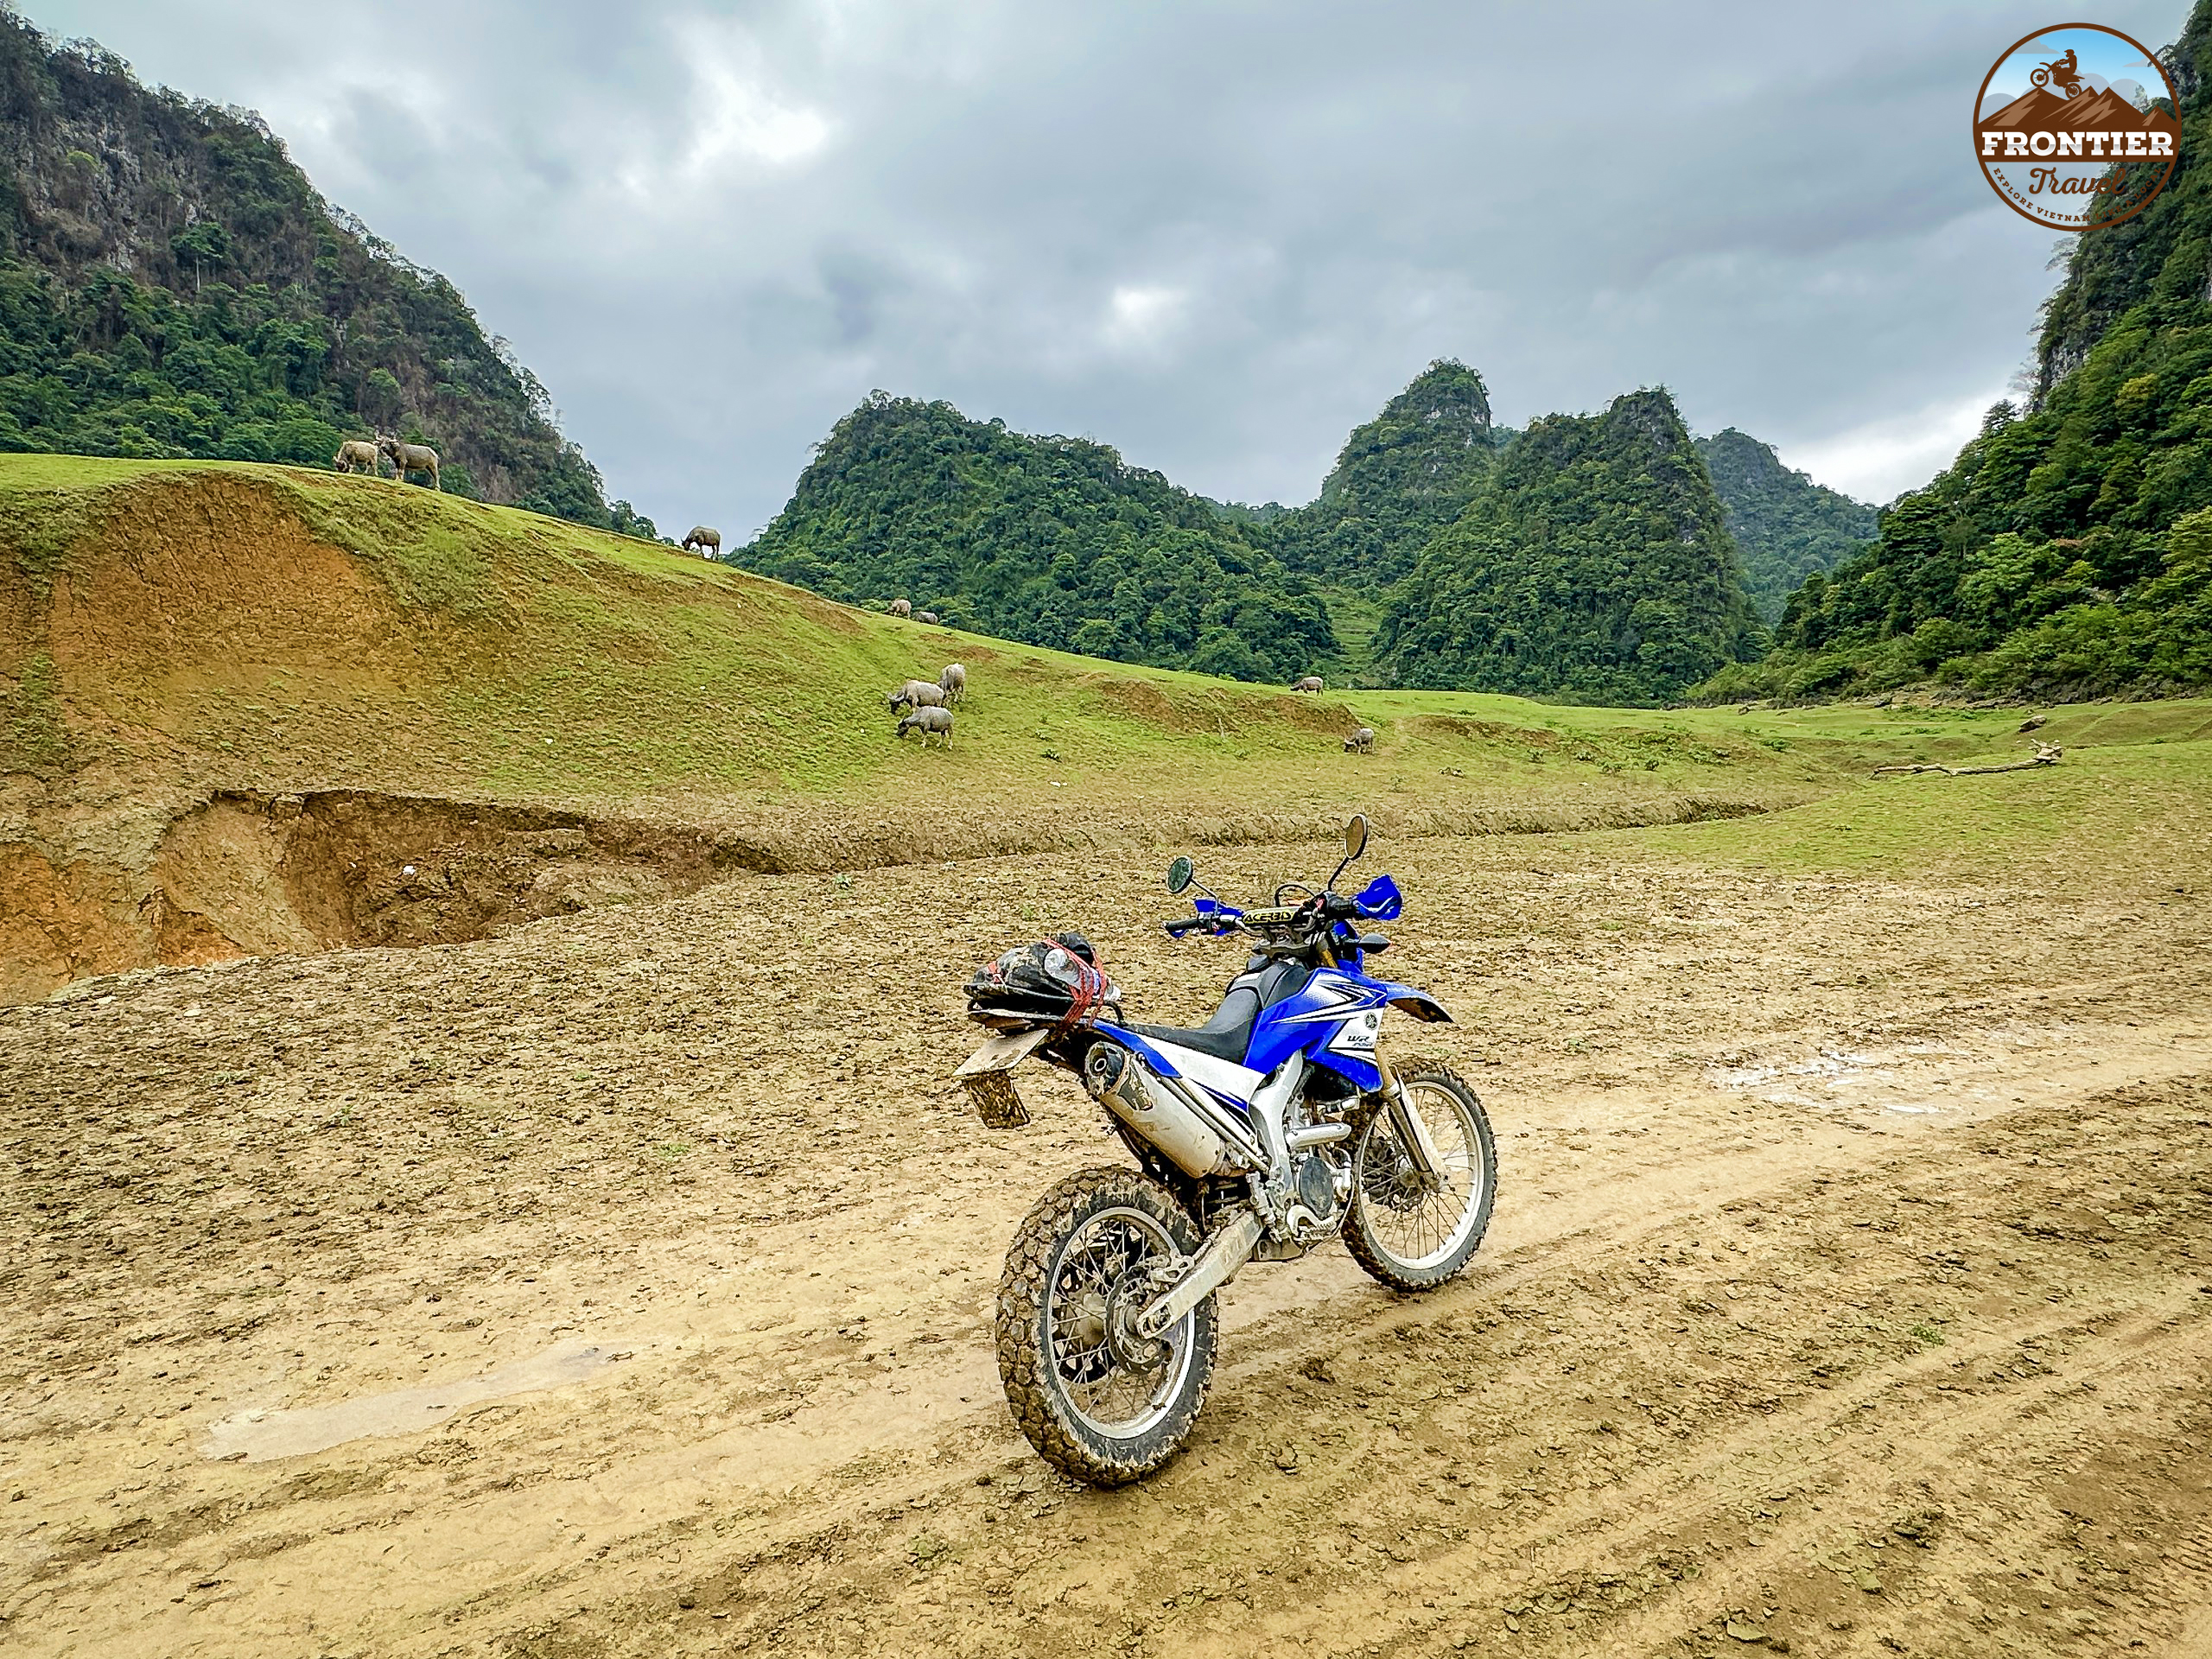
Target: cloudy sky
1216,235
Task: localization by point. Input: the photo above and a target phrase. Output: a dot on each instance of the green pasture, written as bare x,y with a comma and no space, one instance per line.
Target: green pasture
550,661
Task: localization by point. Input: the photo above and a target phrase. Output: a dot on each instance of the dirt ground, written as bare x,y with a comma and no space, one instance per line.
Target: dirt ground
621,1286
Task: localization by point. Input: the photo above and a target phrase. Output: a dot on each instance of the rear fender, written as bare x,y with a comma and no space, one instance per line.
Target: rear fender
987,1076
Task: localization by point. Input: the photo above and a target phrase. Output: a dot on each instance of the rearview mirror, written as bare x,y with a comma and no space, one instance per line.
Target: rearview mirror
1180,874
1355,837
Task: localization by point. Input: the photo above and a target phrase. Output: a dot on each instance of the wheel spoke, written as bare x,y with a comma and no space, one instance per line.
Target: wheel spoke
1116,1397
1419,1222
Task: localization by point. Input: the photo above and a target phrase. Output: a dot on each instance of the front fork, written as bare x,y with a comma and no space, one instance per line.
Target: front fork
1411,1128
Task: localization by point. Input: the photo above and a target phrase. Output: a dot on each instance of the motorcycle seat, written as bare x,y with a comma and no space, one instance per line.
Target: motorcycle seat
1228,1032
1226,1036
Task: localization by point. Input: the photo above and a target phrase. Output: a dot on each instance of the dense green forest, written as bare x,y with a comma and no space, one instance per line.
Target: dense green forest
1400,478
2069,549
1594,563
1786,526
171,285
1053,541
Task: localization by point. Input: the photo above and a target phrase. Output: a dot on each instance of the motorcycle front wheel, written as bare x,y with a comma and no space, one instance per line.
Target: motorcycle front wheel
1413,1231
1101,1404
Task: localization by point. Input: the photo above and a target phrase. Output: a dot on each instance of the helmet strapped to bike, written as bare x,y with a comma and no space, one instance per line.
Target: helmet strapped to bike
1054,981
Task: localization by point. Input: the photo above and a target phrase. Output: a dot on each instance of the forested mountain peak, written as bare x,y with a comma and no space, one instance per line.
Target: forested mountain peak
1399,479
1053,540
1594,562
2069,548
1419,443
1786,526
172,284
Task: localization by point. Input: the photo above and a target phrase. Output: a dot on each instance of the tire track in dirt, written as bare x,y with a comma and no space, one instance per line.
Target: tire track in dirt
458,1158
1581,1534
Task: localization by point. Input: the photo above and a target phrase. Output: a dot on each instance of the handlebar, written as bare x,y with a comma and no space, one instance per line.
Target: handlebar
1326,908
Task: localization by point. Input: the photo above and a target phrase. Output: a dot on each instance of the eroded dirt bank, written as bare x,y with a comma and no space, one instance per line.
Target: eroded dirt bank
1844,1293
236,873
244,873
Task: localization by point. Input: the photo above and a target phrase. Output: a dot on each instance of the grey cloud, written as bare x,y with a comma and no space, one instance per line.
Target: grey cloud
1217,235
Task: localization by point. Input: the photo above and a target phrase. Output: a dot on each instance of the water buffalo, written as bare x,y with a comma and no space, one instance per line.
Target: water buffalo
407,458
704,540
928,720
1310,682
354,456
1361,741
902,607
953,682
918,693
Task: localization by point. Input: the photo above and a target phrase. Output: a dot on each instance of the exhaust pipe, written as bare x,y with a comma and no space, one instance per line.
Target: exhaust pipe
1161,1114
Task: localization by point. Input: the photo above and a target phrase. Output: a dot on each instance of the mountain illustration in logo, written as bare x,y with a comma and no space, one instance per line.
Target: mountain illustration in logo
2073,124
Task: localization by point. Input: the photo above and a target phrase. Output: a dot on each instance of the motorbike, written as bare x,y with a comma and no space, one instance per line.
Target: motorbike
2063,72
1279,1124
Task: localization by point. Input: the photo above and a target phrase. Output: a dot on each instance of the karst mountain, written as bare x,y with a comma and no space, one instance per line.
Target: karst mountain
171,285
2068,551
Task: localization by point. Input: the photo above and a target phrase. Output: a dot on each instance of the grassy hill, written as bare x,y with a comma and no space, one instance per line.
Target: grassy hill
278,626
251,708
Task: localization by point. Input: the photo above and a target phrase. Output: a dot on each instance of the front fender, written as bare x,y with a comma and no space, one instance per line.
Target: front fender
1408,998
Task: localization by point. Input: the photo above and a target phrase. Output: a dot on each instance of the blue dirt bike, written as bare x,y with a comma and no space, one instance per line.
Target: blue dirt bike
1277,1124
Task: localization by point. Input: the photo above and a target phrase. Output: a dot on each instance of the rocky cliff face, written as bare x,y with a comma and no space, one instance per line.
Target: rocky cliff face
172,284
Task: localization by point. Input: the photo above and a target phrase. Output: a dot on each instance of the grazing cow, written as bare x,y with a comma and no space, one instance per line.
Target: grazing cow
407,458
354,456
927,721
704,540
928,617
1361,741
920,694
902,607
953,682
1310,682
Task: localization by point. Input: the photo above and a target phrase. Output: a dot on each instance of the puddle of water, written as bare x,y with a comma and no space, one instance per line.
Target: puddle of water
261,1436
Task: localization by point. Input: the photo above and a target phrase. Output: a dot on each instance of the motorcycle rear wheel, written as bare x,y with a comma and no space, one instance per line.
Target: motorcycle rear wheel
1100,1405
1408,1233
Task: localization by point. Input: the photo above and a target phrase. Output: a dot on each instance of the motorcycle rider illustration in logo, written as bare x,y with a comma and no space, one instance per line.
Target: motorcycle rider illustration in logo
2060,71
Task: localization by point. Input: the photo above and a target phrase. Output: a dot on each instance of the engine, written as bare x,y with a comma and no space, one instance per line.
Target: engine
1321,1183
